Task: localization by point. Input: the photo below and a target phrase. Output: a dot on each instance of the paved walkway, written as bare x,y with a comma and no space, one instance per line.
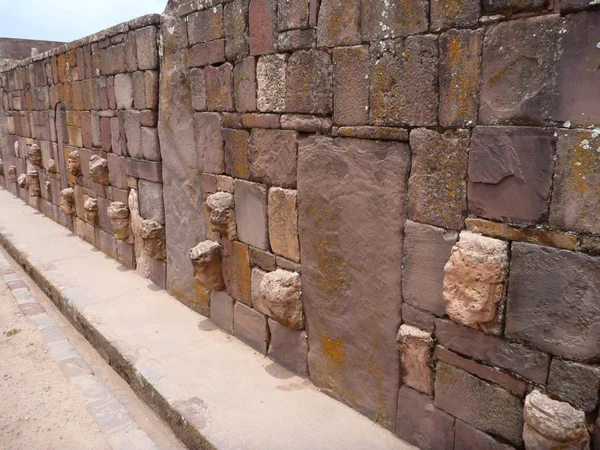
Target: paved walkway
211,389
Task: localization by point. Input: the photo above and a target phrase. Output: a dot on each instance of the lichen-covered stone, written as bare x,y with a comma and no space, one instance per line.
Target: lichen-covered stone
576,193
235,28
437,191
553,424
206,258
262,26
273,157
219,87
351,85
251,213
382,19
474,280
237,273
99,170
118,213
281,298
283,223
244,85
339,23
90,207
308,83
270,78
67,201
575,383
221,207
512,6
546,283
35,155
235,149
416,350
454,14
74,163
205,25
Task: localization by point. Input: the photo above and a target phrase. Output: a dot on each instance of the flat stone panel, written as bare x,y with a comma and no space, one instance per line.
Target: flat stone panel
351,85
251,327
338,23
454,14
575,383
262,26
353,322
289,348
308,83
221,310
273,157
251,213
209,142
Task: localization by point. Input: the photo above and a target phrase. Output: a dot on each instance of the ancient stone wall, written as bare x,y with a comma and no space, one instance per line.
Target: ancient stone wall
397,200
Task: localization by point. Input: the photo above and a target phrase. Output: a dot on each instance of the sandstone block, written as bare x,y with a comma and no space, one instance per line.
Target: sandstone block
293,40
427,250
484,406
474,280
468,438
222,214
281,298
416,350
306,123
219,90
260,121
118,213
205,25
206,258
270,78
404,83
236,271
519,70
99,170
458,14
384,20
133,134
512,6
152,205
244,85
575,383
421,424
308,83
221,310
262,26
251,213
209,142
257,277
124,91
150,144
283,223
198,89
351,85
339,23
288,348
359,367
417,317
262,259
437,192
292,14
273,157
251,327
575,199
235,150
553,424
146,170
235,24
546,283
146,48
212,52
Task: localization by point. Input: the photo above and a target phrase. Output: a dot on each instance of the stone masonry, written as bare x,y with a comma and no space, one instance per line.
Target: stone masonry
399,201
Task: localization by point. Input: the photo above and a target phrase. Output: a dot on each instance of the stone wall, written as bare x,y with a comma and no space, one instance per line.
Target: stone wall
398,200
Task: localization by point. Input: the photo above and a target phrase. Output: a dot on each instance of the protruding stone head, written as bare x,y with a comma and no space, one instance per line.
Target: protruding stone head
67,201
206,258
281,298
1,167
99,170
118,212
48,188
12,174
51,166
153,234
74,163
35,155
33,182
22,181
90,207
222,214
17,149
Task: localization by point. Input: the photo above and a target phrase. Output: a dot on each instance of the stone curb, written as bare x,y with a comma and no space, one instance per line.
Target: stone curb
184,430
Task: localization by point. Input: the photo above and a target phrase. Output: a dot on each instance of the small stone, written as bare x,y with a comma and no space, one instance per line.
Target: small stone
575,383
281,298
222,214
99,170
90,210
118,214
35,155
209,142
219,87
74,163
206,258
235,149
146,48
416,350
283,223
262,26
244,85
351,85
235,27
236,271
67,201
553,424
474,279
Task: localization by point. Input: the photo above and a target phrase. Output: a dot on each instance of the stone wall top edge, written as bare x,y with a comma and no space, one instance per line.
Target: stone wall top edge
134,24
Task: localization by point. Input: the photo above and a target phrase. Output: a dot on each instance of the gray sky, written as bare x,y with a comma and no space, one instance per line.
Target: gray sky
68,20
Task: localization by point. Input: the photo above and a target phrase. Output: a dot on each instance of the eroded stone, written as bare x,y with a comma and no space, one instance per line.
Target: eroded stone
90,207
222,214
281,298
74,163
283,223
67,201
99,170
118,213
206,258
416,349
35,155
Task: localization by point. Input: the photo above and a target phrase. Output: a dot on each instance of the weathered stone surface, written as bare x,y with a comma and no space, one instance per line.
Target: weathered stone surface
468,438
212,52
308,83
244,85
512,6
427,250
486,407
510,173
152,204
292,14
528,363
344,182
575,383
99,170
351,85
209,142
262,26
118,213
576,192
74,163
281,299
251,327
146,48
519,71
437,192
11,174
421,424
289,348
553,424
90,214
273,157
417,317
206,25
404,82
460,55
251,213
293,40
146,170
198,89
133,134
416,349
236,271
153,235
206,258
454,14
124,90
235,24
257,277
270,77
546,283
262,259
237,163
260,121
306,123
33,183
150,144
339,23
382,19
219,89
221,310
67,201
222,214
35,155
283,223
474,280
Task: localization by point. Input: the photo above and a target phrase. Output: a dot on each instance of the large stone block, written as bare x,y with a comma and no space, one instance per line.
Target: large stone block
235,148
283,223
270,77
280,298
235,28
124,91
421,424
212,52
251,327
351,85
198,89
244,85
468,438
575,383
251,213
426,252
133,134
151,201
437,192
221,212
352,321
404,82
274,157
524,361
510,173
512,6
147,170
381,19
263,26
460,55
339,23
289,348
308,83
553,301
209,142
416,350
219,87
150,144
221,310
205,25
487,407
519,70
576,193
146,48
454,14
236,271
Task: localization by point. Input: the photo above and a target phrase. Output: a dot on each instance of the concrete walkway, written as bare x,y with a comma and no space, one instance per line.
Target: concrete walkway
210,388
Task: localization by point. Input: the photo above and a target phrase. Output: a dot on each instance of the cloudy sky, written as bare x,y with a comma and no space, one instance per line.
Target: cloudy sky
67,20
